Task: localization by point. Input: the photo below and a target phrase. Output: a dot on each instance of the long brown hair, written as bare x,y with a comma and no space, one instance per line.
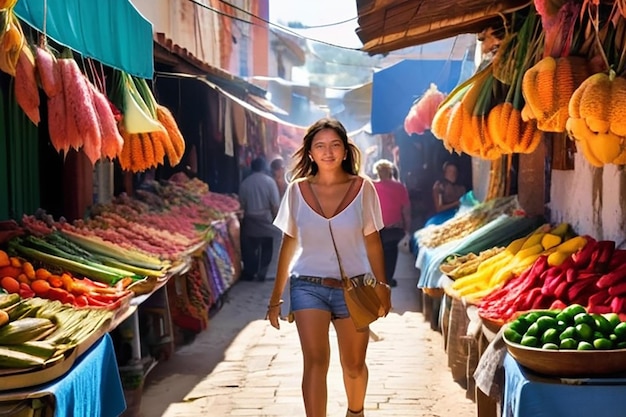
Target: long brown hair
304,167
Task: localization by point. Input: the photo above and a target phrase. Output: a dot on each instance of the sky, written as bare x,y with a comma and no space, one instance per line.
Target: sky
320,12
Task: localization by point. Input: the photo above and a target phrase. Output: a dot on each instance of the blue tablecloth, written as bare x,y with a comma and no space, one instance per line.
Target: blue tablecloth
530,395
92,387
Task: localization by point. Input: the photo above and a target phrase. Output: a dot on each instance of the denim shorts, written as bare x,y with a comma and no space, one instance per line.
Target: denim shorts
307,295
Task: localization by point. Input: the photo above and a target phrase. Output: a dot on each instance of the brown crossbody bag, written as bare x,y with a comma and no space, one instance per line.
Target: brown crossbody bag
367,298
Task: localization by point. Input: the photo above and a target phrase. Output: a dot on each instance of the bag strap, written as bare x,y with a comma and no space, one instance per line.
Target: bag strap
349,193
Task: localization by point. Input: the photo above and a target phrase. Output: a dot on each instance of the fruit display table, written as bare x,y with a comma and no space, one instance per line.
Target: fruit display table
530,395
92,387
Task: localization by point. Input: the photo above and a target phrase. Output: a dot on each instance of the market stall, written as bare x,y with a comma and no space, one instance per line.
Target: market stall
96,265
100,269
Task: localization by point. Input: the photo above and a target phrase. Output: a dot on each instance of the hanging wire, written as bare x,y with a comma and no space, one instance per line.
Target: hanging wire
283,28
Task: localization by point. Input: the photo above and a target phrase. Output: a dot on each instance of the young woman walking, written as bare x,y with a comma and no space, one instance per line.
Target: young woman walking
326,188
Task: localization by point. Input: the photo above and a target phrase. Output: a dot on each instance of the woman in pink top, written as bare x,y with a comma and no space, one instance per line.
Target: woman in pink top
396,208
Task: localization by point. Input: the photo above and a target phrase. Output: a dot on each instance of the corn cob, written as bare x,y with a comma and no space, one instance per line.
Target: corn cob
545,86
7,300
455,127
100,246
124,156
24,330
148,150
440,123
14,359
138,159
166,118
159,150
81,268
41,349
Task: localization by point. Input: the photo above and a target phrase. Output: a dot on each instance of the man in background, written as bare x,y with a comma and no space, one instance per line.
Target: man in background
259,198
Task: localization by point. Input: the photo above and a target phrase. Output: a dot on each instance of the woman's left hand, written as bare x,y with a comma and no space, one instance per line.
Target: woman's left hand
273,314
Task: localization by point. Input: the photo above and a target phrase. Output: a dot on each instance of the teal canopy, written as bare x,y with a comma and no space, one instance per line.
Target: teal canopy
110,31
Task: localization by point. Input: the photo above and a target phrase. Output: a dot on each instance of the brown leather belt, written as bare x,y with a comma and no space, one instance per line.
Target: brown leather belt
325,282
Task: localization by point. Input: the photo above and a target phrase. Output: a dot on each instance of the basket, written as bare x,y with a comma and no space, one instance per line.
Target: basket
492,325
569,363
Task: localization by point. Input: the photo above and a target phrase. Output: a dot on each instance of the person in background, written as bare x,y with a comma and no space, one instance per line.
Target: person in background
327,194
396,208
278,173
258,195
447,194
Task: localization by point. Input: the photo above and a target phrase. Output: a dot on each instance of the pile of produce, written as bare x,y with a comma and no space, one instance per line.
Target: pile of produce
20,277
462,225
34,331
132,237
572,328
595,120
80,115
457,267
515,260
548,87
559,68
482,117
593,276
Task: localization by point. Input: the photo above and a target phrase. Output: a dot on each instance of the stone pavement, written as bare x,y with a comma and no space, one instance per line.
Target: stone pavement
241,366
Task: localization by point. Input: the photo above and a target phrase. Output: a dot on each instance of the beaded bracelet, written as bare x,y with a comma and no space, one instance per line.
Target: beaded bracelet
280,302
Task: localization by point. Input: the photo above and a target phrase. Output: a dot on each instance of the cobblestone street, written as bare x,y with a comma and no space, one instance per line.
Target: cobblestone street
241,366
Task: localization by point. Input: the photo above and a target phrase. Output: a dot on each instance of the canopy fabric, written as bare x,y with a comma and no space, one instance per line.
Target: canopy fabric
395,89
112,31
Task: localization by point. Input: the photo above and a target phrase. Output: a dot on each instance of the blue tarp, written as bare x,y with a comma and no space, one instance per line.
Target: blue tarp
111,31
395,89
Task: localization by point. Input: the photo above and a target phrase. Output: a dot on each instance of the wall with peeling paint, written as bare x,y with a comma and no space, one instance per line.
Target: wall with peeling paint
592,200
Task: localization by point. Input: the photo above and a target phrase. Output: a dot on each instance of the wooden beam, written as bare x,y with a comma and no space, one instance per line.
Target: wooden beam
531,181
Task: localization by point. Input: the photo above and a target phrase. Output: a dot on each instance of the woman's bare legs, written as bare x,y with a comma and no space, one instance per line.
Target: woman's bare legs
352,350
313,328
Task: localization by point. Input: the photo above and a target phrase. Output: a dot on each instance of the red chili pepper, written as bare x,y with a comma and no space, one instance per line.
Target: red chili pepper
583,256
95,283
618,259
57,294
561,289
617,304
601,297
81,301
26,292
69,299
612,278
557,305
105,298
95,303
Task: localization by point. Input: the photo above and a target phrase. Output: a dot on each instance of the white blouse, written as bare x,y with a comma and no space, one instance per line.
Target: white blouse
315,255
